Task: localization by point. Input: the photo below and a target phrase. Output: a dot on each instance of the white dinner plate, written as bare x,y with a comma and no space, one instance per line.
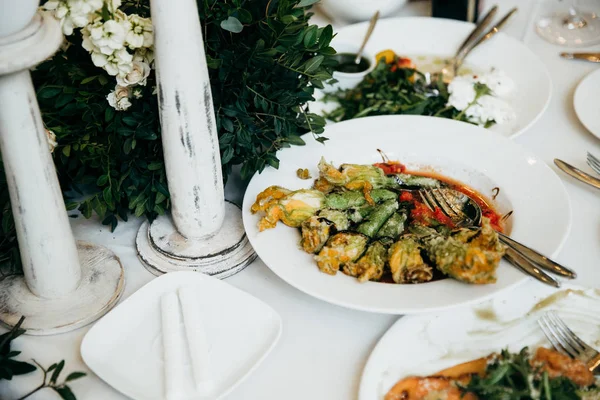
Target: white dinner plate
420,36
125,347
465,152
424,344
587,106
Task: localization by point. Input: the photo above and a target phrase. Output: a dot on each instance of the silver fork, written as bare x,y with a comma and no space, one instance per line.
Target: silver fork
593,162
565,341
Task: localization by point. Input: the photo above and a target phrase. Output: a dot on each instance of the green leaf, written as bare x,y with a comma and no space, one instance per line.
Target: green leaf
306,3
108,197
57,371
49,92
75,375
67,150
312,64
89,79
310,37
244,16
160,198
102,180
155,165
297,140
232,24
129,120
65,393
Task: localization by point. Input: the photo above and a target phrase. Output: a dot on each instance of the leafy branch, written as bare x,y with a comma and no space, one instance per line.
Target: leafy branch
62,388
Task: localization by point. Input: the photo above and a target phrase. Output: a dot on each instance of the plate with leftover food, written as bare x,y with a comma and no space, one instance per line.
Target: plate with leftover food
502,85
346,222
495,350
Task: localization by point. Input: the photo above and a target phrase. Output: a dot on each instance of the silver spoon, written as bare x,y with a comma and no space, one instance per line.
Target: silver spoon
370,29
465,212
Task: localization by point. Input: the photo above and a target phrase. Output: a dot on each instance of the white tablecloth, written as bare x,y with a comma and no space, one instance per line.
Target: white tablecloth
323,348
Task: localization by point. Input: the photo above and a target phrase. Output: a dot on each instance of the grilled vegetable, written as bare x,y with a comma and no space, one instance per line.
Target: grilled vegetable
393,227
338,218
377,218
341,249
315,232
466,256
358,214
292,208
418,181
351,199
406,263
370,266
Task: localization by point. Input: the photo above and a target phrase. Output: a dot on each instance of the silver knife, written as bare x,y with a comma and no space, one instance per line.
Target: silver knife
577,174
592,57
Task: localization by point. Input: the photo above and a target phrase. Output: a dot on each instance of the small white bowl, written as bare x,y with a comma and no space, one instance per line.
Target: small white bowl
360,10
349,80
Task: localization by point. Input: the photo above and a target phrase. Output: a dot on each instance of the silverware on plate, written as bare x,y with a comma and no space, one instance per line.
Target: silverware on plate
577,173
591,57
465,212
565,341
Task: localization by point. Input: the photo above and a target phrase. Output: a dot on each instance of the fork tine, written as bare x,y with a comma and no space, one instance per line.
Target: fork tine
593,157
576,341
565,340
427,199
594,163
548,330
444,205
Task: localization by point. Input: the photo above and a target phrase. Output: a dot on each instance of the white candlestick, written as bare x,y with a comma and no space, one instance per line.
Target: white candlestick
204,233
65,285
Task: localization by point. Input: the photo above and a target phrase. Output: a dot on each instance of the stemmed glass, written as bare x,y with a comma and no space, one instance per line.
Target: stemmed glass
570,26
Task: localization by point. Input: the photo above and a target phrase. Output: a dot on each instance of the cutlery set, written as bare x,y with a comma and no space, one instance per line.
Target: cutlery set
581,176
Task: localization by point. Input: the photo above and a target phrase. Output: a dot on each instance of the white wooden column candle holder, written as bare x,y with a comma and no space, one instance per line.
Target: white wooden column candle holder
65,284
204,233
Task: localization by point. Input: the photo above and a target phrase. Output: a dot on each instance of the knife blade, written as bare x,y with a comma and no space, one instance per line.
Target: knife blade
592,57
577,174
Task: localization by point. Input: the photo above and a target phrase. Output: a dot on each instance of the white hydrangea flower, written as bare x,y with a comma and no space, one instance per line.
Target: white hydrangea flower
141,33
113,5
144,54
119,98
118,63
108,36
137,76
51,137
490,108
72,13
498,82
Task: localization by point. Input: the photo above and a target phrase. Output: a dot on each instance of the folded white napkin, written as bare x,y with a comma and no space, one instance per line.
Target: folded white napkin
172,346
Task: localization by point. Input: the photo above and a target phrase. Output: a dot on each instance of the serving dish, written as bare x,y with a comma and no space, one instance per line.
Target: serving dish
424,344
469,154
416,37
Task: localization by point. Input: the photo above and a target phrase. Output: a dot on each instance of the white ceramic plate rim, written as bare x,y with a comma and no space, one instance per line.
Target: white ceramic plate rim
578,102
449,26
314,290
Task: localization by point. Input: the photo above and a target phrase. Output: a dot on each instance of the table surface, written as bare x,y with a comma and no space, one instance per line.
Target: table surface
323,348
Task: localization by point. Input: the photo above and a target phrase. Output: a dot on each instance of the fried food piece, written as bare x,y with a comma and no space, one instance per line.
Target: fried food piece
315,232
393,227
433,387
303,173
406,263
370,266
341,249
375,220
473,367
291,208
557,364
355,177
338,218
353,199
465,256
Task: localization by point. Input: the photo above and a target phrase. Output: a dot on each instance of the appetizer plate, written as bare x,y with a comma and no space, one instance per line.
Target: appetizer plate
125,347
422,345
586,102
467,153
415,36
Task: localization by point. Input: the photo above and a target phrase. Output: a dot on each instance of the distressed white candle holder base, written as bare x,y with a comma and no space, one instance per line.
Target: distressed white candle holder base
99,289
162,249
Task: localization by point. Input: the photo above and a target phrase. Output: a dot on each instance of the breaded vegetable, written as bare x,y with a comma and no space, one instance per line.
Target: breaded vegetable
341,249
377,218
406,263
394,226
315,232
338,218
467,256
420,181
370,266
292,208
352,199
